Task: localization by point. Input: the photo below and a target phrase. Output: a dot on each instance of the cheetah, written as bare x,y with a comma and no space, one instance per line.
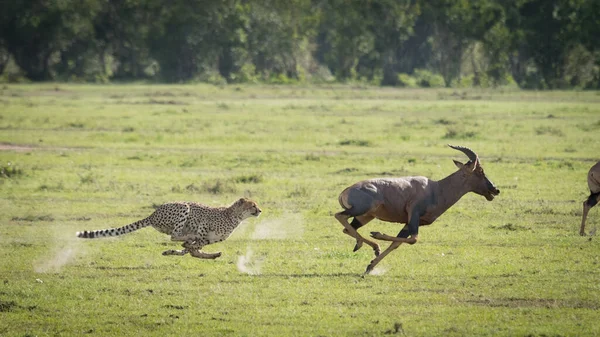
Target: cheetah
195,224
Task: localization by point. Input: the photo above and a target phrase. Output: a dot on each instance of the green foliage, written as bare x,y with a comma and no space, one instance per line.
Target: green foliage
483,43
444,121
455,25
247,74
547,130
87,178
6,306
355,142
9,170
218,186
459,133
33,31
427,79
405,80
547,34
581,68
496,51
249,179
280,79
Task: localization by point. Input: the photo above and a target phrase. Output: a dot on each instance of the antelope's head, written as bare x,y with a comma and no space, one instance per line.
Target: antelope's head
474,174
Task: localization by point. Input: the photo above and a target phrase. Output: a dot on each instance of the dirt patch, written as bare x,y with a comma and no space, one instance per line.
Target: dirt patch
29,148
16,148
157,101
34,218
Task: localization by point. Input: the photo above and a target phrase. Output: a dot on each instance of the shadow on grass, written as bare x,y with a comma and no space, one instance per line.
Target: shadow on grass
127,268
535,303
7,306
309,275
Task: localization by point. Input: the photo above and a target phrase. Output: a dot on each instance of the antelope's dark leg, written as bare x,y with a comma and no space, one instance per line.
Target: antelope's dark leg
587,205
411,229
359,201
380,257
403,235
351,230
358,222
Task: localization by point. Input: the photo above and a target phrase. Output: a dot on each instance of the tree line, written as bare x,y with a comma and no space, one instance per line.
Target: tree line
539,44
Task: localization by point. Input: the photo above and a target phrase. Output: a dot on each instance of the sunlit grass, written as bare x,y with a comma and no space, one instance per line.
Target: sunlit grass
92,157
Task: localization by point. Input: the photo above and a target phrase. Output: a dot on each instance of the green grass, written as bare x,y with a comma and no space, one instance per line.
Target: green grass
82,157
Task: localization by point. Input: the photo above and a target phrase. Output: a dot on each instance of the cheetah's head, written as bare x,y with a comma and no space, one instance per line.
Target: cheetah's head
247,208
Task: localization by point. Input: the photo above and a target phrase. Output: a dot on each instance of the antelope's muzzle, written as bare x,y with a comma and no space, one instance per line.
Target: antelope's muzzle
492,190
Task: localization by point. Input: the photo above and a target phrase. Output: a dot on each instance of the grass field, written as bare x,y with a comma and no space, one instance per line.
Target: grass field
82,157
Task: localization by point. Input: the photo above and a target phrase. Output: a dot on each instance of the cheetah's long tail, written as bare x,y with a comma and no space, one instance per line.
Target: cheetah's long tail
114,231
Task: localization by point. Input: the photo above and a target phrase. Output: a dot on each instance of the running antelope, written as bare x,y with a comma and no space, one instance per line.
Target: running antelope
415,201
593,179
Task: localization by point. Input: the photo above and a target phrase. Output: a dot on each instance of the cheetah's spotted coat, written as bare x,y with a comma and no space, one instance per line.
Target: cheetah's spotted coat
195,224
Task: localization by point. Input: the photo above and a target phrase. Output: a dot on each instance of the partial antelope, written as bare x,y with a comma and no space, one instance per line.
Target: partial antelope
593,179
415,201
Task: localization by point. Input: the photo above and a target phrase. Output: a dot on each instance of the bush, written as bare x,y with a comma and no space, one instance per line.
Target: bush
246,74
10,171
547,130
280,79
87,178
427,79
459,133
355,142
249,179
219,187
407,81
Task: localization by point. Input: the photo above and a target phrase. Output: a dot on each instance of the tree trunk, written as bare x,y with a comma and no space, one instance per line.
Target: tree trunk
390,77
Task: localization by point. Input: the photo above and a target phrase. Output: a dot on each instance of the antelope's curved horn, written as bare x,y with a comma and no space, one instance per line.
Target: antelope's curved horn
472,155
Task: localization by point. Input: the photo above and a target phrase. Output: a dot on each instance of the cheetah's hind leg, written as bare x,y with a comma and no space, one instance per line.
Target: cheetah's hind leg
202,255
194,247
188,246
175,252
